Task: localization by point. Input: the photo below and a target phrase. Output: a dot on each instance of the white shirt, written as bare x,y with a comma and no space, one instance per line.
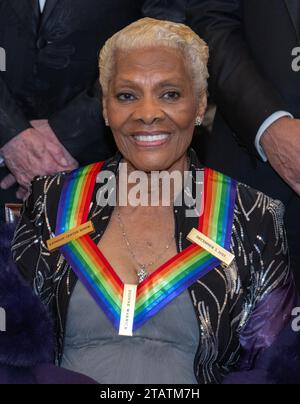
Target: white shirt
42,5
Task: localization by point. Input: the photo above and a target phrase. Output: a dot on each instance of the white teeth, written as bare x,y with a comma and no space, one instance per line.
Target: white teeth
151,138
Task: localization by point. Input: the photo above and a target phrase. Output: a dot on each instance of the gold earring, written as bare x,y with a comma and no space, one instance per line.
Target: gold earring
198,121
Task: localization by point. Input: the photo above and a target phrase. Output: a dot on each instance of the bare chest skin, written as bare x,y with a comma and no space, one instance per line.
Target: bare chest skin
149,230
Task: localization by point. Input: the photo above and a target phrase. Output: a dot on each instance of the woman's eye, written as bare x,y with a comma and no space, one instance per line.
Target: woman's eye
171,95
125,97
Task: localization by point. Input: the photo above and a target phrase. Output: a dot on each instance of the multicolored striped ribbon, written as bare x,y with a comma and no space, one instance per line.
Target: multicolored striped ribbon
168,281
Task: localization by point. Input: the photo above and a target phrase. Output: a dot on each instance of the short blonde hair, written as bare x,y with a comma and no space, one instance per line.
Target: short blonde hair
148,32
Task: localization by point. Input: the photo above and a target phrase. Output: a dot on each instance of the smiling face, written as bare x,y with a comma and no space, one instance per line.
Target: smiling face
151,107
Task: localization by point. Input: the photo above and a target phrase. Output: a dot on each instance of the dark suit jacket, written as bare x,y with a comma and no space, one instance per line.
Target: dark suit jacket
51,68
251,76
172,10
251,44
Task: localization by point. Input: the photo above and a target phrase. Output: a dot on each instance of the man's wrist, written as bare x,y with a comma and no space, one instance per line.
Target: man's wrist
264,128
8,134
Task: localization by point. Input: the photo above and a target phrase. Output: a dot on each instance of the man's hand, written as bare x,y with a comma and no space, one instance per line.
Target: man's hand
68,162
22,193
35,152
281,143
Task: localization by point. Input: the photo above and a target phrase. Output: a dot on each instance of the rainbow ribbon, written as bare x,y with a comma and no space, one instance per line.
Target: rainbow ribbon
168,281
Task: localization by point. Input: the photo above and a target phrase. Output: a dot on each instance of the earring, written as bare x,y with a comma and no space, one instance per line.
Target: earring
198,121
106,122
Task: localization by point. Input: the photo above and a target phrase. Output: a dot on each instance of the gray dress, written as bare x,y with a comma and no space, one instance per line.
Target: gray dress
162,351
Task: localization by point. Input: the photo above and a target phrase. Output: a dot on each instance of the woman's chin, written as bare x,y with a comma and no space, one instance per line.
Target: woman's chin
149,167
151,161
154,158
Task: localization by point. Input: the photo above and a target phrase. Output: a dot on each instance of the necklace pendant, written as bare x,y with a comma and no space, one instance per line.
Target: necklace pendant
142,274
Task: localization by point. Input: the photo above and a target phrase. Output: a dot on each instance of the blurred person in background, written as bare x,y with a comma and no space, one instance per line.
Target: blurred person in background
255,82
50,113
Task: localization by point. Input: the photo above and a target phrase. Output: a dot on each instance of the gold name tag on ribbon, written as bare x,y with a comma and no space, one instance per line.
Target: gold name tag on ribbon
195,236
71,235
128,309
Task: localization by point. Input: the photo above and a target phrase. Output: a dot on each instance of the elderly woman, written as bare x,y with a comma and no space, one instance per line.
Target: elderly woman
137,298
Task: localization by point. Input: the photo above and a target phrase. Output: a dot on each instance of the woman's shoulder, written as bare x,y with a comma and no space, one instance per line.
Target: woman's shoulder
44,197
256,205
254,209
42,203
260,219
52,185
37,225
48,184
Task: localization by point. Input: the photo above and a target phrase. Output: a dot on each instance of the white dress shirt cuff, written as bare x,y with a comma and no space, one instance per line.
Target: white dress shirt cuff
267,123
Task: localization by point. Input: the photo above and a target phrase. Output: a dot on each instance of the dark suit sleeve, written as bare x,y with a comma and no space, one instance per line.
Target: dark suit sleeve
80,123
12,119
244,97
171,10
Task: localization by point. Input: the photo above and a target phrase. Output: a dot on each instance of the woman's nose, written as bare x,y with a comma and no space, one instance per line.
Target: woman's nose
148,111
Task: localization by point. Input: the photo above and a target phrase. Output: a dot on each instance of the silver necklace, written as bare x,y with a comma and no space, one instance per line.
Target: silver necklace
142,273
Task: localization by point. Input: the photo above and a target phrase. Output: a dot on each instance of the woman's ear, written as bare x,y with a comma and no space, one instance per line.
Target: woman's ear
105,116
202,105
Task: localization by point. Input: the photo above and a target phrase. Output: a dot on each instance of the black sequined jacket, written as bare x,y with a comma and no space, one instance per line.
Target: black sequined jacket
231,304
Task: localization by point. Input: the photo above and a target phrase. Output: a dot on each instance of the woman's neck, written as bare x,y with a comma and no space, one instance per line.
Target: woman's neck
159,188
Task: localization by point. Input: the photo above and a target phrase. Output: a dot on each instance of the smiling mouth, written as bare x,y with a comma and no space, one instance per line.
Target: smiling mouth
151,140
